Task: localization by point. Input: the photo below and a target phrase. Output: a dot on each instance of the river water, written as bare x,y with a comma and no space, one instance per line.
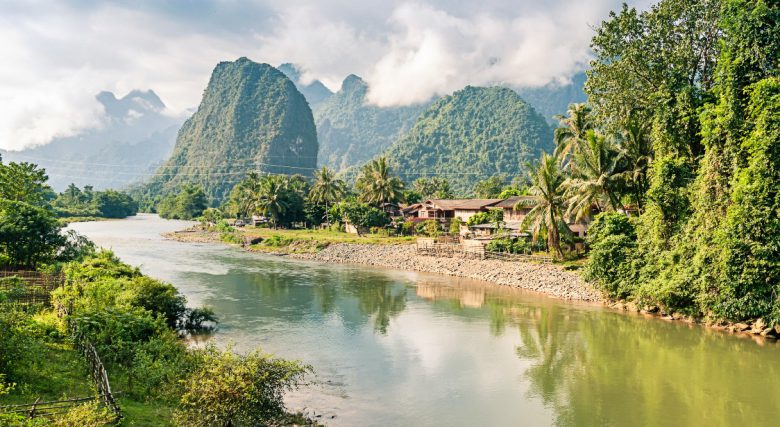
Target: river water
411,349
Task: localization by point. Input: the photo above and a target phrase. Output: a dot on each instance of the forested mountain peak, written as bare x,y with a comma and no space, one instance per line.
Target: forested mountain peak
315,92
475,133
350,131
251,118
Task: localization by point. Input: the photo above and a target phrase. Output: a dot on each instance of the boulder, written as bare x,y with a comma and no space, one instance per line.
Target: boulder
769,333
739,327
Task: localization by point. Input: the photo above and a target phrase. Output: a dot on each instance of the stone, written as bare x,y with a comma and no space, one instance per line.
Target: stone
739,327
769,333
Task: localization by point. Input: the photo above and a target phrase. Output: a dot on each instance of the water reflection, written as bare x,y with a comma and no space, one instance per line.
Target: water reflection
396,348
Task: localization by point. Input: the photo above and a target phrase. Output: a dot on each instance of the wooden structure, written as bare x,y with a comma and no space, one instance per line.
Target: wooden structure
29,287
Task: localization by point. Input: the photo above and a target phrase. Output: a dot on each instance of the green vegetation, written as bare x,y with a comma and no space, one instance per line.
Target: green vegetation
189,203
251,118
693,91
75,202
476,132
350,131
432,188
377,184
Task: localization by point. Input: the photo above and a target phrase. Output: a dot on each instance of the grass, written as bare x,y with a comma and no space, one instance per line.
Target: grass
307,241
57,371
71,219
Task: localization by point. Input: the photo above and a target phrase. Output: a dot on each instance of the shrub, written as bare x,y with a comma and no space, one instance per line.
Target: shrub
86,415
610,224
455,226
613,265
432,228
492,216
408,228
230,389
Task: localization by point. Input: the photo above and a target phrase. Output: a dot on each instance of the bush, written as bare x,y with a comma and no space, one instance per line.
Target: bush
515,246
230,389
86,415
408,228
492,216
609,224
613,265
431,228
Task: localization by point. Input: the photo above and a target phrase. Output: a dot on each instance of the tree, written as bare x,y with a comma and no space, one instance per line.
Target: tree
271,200
656,66
228,389
377,184
489,188
24,182
29,235
548,204
571,133
188,204
637,155
362,215
595,178
433,188
327,189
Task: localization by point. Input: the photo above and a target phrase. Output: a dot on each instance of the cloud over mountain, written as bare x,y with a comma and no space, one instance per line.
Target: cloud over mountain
58,55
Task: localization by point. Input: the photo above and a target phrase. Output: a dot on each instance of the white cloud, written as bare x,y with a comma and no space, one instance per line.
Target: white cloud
57,56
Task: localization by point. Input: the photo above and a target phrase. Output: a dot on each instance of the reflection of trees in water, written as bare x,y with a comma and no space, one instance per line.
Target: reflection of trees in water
380,298
602,368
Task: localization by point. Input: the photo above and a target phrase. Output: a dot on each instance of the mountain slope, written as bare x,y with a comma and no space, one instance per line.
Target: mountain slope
315,92
350,132
471,135
251,118
553,99
134,137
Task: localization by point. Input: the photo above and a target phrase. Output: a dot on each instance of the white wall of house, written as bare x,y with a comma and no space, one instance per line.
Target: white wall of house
464,214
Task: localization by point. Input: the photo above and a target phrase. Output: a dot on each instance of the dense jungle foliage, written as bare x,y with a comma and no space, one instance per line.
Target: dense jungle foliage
474,133
251,118
700,80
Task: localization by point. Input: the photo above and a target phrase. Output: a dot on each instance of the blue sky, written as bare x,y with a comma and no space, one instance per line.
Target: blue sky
58,55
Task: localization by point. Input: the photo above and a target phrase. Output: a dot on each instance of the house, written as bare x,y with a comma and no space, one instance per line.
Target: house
516,207
445,210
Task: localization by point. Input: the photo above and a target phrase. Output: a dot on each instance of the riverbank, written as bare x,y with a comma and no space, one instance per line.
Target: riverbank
549,279
399,253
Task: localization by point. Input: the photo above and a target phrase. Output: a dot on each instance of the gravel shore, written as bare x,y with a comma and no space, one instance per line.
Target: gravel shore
549,279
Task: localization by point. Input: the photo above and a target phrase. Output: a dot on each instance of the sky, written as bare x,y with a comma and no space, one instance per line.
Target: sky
57,55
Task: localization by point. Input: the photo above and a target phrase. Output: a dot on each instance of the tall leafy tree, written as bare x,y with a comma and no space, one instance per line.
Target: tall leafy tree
25,182
548,204
327,189
377,184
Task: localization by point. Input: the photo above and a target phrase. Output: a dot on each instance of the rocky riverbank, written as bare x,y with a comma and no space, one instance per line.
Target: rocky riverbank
548,279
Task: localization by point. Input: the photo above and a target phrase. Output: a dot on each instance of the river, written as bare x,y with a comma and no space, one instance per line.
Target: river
396,348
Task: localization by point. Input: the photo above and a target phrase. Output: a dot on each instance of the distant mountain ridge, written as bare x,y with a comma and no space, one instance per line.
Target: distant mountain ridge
251,118
554,99
135,136
350,131
471,135
315,92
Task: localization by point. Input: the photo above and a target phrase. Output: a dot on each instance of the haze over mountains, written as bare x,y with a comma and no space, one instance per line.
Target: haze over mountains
257,117
135,135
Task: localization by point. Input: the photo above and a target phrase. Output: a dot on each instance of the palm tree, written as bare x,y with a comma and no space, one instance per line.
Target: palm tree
377,184
595,179
244,196
570,135
271,197
638,154
547,204
327,189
